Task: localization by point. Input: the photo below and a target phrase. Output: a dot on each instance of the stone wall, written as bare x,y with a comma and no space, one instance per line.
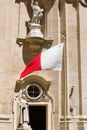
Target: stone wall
62,17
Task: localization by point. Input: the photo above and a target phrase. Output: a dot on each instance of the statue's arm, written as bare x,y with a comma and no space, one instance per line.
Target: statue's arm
32,3
42,10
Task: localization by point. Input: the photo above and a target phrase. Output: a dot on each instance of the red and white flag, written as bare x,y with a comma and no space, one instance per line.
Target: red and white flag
49,59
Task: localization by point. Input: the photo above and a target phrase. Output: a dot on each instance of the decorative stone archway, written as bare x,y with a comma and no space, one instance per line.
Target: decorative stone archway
32,91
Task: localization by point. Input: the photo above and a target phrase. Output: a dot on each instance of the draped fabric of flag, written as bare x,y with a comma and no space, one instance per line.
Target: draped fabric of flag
50,59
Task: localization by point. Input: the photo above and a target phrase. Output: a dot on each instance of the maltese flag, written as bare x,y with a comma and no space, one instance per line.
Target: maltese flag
50,59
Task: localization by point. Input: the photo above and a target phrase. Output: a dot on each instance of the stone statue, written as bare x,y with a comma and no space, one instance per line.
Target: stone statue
37,12
73,101
24,112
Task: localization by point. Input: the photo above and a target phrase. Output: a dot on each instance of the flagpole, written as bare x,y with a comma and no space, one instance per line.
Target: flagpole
65,75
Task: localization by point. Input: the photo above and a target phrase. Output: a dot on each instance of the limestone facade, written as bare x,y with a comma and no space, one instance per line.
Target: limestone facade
64,21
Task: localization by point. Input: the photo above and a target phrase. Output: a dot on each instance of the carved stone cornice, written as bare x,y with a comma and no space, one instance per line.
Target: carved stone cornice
21,84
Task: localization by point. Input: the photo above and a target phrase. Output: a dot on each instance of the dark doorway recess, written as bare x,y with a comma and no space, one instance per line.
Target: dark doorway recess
37,117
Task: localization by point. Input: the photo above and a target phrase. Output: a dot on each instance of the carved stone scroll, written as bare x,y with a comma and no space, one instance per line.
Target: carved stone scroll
75,2
83,3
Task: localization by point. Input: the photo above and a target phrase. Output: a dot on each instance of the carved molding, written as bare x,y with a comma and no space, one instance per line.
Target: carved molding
18,1
6,118
83,3
75,2
21,84
70,1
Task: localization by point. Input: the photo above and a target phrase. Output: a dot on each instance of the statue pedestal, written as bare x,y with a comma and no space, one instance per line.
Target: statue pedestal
24,127
35,31
34,42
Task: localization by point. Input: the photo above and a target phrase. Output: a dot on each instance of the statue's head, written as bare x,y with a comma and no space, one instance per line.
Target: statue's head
36,3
